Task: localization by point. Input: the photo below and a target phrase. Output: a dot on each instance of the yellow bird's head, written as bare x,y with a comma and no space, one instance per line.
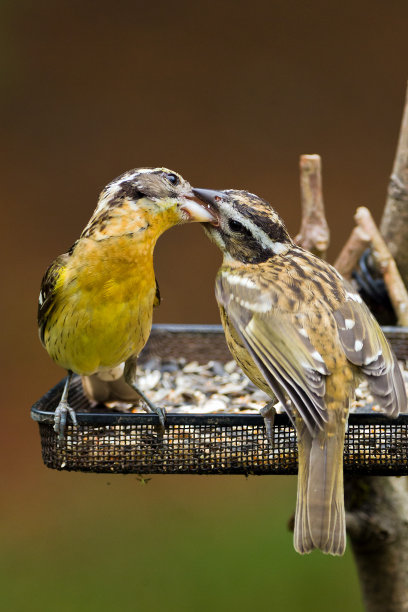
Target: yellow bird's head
144,198
245,227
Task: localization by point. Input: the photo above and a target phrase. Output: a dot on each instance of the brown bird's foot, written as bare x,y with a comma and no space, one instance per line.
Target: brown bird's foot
60,418
268,413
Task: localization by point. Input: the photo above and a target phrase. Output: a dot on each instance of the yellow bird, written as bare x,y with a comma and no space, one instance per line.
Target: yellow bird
301,333
96,300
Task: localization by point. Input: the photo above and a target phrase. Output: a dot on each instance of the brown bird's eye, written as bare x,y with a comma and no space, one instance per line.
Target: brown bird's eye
236,226
173,178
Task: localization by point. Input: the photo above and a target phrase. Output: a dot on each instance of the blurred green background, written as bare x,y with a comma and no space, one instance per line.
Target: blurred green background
229,93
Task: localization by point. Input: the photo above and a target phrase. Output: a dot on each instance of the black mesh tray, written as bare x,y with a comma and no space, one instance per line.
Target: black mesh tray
111,442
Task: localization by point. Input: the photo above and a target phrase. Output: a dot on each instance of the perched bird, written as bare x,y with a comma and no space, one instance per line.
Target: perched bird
96,300
302,334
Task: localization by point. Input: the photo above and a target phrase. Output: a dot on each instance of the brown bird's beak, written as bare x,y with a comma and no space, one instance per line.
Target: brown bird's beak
211,198
197,210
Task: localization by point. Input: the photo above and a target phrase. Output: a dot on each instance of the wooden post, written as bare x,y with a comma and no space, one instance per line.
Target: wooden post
377,523
377,507
394,224
377,520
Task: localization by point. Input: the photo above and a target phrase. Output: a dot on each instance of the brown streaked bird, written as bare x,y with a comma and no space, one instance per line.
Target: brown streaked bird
96,301
300,333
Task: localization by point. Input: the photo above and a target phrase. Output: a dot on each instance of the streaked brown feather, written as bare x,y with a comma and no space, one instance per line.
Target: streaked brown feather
301,333
281,331
366,347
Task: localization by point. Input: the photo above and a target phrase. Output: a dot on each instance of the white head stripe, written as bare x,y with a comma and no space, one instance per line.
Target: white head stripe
261,236
279,247
107,195
109,192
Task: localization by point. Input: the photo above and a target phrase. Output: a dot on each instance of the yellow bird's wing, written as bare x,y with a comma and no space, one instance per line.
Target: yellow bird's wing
49,285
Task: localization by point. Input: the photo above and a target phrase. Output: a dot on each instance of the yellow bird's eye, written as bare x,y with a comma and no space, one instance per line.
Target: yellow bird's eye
173,178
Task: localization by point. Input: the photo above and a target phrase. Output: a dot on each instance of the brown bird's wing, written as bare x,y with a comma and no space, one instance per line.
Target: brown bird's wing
46,300
365,346
285,355
277,343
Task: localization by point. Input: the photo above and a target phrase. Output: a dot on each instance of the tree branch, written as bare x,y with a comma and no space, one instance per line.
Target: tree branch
350,254
396,208
386,264
314,232
377,523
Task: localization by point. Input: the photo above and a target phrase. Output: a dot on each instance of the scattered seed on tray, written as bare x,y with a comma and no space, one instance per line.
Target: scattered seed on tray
215,387
211,388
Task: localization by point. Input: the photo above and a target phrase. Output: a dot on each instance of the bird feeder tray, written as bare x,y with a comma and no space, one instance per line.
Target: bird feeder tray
111,442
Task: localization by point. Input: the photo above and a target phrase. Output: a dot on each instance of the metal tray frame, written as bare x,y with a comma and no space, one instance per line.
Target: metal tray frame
108,442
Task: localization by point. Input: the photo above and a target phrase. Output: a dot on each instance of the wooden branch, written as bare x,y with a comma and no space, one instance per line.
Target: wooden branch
377,520
314,232
394,224
386,264
377,524
350,254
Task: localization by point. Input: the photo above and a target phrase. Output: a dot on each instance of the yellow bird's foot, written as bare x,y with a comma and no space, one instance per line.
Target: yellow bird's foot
268,413
153,409
60,418
130,378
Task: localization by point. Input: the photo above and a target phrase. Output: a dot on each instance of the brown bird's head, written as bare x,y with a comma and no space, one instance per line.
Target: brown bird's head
246,227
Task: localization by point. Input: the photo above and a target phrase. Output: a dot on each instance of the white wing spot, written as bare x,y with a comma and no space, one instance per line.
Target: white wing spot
354,297
372,358
254,306
350,323
316,355
303,332
358,345
235,279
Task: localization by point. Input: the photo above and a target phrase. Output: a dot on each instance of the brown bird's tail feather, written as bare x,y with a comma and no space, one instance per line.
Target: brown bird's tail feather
320,517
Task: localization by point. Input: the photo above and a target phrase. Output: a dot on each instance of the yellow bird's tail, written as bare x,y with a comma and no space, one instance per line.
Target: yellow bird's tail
320,516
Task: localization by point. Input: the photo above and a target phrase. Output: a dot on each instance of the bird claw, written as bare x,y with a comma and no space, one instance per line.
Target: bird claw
268,413
161,413
60,418
130,373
